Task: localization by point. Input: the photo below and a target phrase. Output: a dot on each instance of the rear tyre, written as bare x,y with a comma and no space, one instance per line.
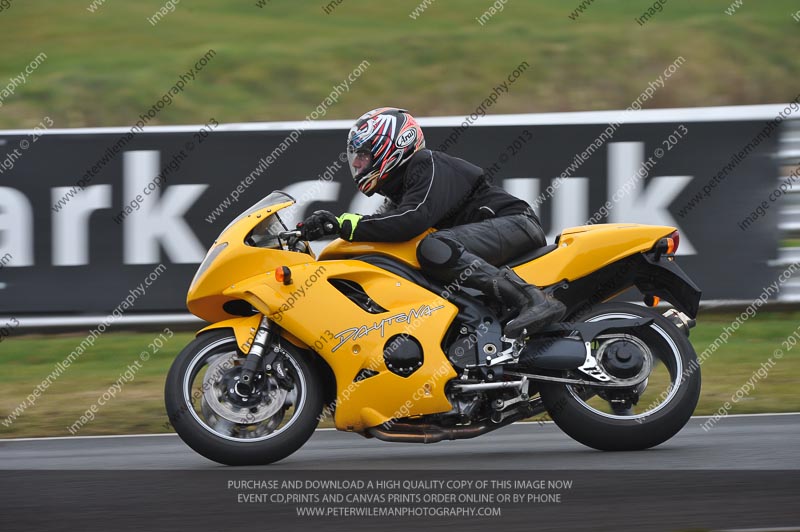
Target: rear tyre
598,418
218,425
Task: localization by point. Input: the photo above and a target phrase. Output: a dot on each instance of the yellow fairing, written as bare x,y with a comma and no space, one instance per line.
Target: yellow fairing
585,249
405,252
243,328
236,261
351,339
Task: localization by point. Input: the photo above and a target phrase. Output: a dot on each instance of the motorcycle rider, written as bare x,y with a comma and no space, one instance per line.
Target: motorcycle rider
479,225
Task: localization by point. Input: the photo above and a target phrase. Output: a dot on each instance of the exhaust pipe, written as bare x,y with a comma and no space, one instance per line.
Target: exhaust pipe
427,433
553,353
409,433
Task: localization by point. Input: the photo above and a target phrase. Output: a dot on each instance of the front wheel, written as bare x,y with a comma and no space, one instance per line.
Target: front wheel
640,416
213,419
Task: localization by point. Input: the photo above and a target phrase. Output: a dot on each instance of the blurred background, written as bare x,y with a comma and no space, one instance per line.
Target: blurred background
277,62
100,99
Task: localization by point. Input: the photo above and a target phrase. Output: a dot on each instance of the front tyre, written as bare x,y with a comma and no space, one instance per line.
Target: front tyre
217,423
639,417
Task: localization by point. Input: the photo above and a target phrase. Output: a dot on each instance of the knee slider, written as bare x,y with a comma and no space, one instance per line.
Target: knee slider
438,252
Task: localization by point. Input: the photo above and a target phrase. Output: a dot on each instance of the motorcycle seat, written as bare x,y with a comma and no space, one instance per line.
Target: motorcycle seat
531,255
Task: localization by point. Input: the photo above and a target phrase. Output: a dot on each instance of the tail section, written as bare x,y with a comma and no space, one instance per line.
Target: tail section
585,249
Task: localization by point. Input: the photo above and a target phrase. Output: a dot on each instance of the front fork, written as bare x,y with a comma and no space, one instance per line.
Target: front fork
261,360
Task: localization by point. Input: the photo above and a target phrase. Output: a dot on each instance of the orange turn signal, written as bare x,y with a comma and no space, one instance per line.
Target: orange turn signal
283,274
651,300
667,246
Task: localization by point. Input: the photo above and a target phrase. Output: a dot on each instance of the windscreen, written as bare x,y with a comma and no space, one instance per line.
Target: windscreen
273,198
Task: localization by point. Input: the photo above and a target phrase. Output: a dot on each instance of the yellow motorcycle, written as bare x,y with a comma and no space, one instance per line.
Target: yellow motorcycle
360,334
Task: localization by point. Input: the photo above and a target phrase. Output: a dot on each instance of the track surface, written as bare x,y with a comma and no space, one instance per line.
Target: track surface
742,474
735,443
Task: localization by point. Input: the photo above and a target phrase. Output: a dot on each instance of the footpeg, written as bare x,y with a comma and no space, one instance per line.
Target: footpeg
681,320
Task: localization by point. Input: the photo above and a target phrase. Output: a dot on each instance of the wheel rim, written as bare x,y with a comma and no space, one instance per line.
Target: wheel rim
204,389
660,387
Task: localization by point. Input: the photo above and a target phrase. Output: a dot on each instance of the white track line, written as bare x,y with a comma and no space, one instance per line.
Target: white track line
780,529
754,415
684,114
49,438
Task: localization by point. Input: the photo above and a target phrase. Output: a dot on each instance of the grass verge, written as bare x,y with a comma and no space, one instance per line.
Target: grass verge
138,406
279,62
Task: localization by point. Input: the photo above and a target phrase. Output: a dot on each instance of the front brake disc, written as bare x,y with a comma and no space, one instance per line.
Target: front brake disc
216,396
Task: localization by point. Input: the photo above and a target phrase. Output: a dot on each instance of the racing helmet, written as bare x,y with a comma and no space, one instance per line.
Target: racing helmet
379,142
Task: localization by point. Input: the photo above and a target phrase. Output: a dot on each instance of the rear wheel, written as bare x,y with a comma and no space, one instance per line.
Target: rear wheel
214,420
639,416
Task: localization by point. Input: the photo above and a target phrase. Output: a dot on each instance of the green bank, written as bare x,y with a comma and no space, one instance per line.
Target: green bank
106,66
114,364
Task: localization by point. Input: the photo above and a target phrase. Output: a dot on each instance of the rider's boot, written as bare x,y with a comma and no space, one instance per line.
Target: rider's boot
533,308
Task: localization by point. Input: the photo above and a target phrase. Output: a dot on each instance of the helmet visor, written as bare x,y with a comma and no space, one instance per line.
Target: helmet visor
359,160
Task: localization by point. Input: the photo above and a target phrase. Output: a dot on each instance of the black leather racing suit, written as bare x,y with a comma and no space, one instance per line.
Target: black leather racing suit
479,225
